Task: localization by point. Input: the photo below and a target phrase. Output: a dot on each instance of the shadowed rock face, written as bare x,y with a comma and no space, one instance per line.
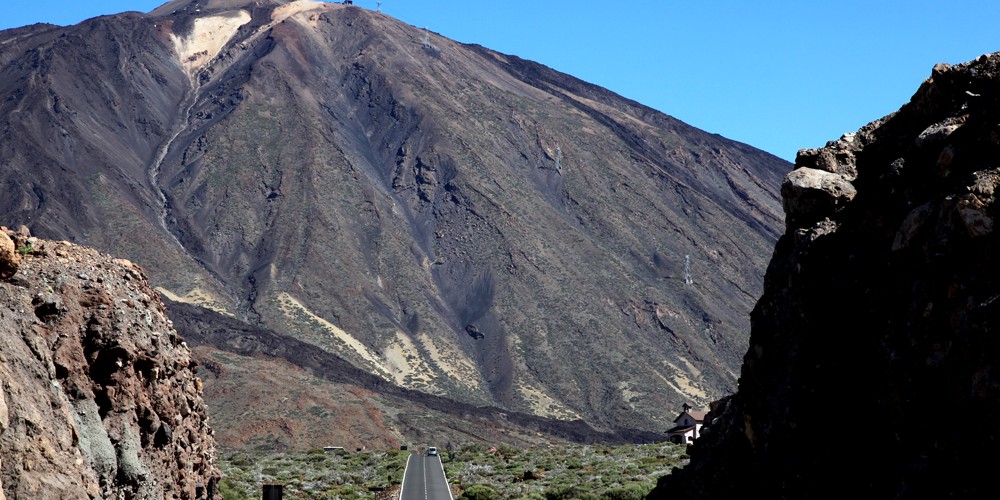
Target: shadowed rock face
448,218
873,359
98,397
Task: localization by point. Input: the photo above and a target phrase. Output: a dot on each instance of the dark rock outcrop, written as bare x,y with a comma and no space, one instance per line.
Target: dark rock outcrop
98,396
874,364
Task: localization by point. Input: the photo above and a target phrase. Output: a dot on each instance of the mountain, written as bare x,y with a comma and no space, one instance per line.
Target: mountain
873,360
270,391
99,396
453,220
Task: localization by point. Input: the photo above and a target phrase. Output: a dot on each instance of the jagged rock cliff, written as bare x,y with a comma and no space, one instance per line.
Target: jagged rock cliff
98,398
873,365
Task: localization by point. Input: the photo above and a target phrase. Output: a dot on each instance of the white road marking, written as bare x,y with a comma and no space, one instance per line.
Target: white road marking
407,467
425,478
446,484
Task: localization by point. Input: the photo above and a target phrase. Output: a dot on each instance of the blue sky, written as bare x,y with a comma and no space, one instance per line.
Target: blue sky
777,74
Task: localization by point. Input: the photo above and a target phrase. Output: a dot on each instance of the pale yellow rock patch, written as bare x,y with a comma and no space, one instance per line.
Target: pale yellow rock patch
4,417
683,384
403,361
299,7
540,402
453,362
207,39
544,405
691,368
628,393
290,306
198,297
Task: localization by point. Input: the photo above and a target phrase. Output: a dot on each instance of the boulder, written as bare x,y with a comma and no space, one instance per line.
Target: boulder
10,258
810,195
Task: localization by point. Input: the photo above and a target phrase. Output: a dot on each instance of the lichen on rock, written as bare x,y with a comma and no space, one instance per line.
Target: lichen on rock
98,367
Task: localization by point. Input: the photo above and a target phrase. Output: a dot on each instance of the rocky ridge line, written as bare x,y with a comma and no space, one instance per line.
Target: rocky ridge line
98,397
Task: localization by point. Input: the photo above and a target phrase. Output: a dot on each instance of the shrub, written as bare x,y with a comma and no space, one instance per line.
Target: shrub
560,492
631,491
479,492
231,491
241,460
507,450
553,472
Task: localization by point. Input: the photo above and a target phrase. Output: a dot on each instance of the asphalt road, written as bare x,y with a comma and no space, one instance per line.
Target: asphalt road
424,479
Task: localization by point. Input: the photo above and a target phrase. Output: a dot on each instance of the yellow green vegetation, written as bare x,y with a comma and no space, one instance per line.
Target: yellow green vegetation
311,475
476,471
561,472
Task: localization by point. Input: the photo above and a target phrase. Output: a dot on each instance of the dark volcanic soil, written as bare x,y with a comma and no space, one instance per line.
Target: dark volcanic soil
454,220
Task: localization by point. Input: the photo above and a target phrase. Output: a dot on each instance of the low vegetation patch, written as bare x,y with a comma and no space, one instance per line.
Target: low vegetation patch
477,472
561,472
313,474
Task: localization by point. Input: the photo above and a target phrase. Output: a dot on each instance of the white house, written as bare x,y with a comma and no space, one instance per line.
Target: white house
687,426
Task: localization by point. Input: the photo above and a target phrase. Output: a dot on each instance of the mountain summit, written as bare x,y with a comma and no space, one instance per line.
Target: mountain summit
451,219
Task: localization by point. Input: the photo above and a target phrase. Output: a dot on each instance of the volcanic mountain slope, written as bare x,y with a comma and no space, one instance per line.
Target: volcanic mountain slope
451,219
273,392
878,323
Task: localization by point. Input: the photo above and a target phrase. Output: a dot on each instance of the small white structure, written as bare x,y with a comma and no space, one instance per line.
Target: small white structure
687,425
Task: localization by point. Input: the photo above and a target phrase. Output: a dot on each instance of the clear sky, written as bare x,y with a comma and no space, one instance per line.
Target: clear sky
777,74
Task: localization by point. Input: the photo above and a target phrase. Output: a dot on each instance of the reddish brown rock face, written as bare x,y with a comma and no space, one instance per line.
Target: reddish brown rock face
874,364
98,397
